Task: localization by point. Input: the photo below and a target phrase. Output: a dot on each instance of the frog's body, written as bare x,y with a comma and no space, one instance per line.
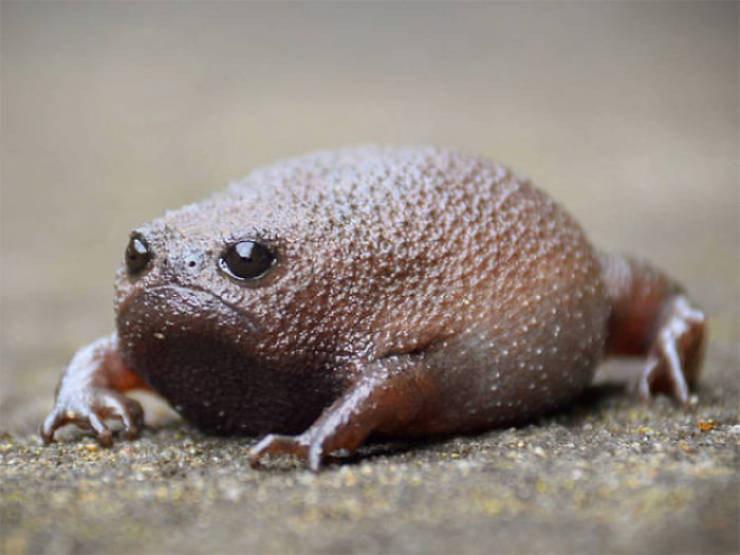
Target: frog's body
413,292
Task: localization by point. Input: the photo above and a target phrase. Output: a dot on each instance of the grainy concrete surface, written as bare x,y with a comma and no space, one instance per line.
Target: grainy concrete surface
112,113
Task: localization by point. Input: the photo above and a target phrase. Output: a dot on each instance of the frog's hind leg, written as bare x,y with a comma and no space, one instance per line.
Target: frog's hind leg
652,316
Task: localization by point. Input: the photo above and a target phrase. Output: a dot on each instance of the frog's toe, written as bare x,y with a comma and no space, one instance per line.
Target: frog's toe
315,457
109,404
662,377
125,409
275,445
54,421
101,429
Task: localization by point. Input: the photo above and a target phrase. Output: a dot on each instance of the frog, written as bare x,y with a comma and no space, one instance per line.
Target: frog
373,292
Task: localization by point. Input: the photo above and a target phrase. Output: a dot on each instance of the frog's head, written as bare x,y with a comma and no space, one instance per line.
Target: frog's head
223,315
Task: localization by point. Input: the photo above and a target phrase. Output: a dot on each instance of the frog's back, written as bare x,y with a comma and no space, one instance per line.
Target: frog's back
437,252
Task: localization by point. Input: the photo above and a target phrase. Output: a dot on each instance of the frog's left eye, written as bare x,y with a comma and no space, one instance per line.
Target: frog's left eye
138,254
247,260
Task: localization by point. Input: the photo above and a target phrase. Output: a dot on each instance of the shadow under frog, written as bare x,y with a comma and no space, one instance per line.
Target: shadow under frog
365,292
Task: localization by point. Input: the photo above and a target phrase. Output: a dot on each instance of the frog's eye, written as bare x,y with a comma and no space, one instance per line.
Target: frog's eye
246,260
138,254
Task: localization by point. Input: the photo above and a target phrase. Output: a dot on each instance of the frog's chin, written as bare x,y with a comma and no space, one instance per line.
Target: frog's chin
197,351
203,356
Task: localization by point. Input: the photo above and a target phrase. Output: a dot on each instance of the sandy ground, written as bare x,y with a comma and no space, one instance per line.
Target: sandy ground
111,114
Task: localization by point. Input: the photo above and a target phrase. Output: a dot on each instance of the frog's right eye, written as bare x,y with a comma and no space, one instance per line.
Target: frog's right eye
138,254
247,260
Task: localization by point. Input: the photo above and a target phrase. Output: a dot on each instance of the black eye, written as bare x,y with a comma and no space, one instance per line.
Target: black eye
247,260
138,254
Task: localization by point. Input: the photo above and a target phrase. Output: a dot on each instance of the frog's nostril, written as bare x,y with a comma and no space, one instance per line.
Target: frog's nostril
192,261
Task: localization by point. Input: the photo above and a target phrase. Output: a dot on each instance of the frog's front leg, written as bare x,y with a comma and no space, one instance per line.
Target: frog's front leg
91,391
393,393
652,316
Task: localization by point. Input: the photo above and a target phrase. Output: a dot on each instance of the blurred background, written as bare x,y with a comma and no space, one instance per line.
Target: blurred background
114,112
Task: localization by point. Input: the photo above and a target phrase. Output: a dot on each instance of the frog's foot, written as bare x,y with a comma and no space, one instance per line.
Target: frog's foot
89,408
674,360
313,447
275,445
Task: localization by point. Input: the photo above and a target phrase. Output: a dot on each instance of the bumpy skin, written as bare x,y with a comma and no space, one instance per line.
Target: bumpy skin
416,292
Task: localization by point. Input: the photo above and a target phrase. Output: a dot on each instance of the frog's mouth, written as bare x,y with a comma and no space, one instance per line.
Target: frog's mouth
201,355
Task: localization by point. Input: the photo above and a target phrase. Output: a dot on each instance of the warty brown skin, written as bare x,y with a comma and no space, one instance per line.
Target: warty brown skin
415,292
